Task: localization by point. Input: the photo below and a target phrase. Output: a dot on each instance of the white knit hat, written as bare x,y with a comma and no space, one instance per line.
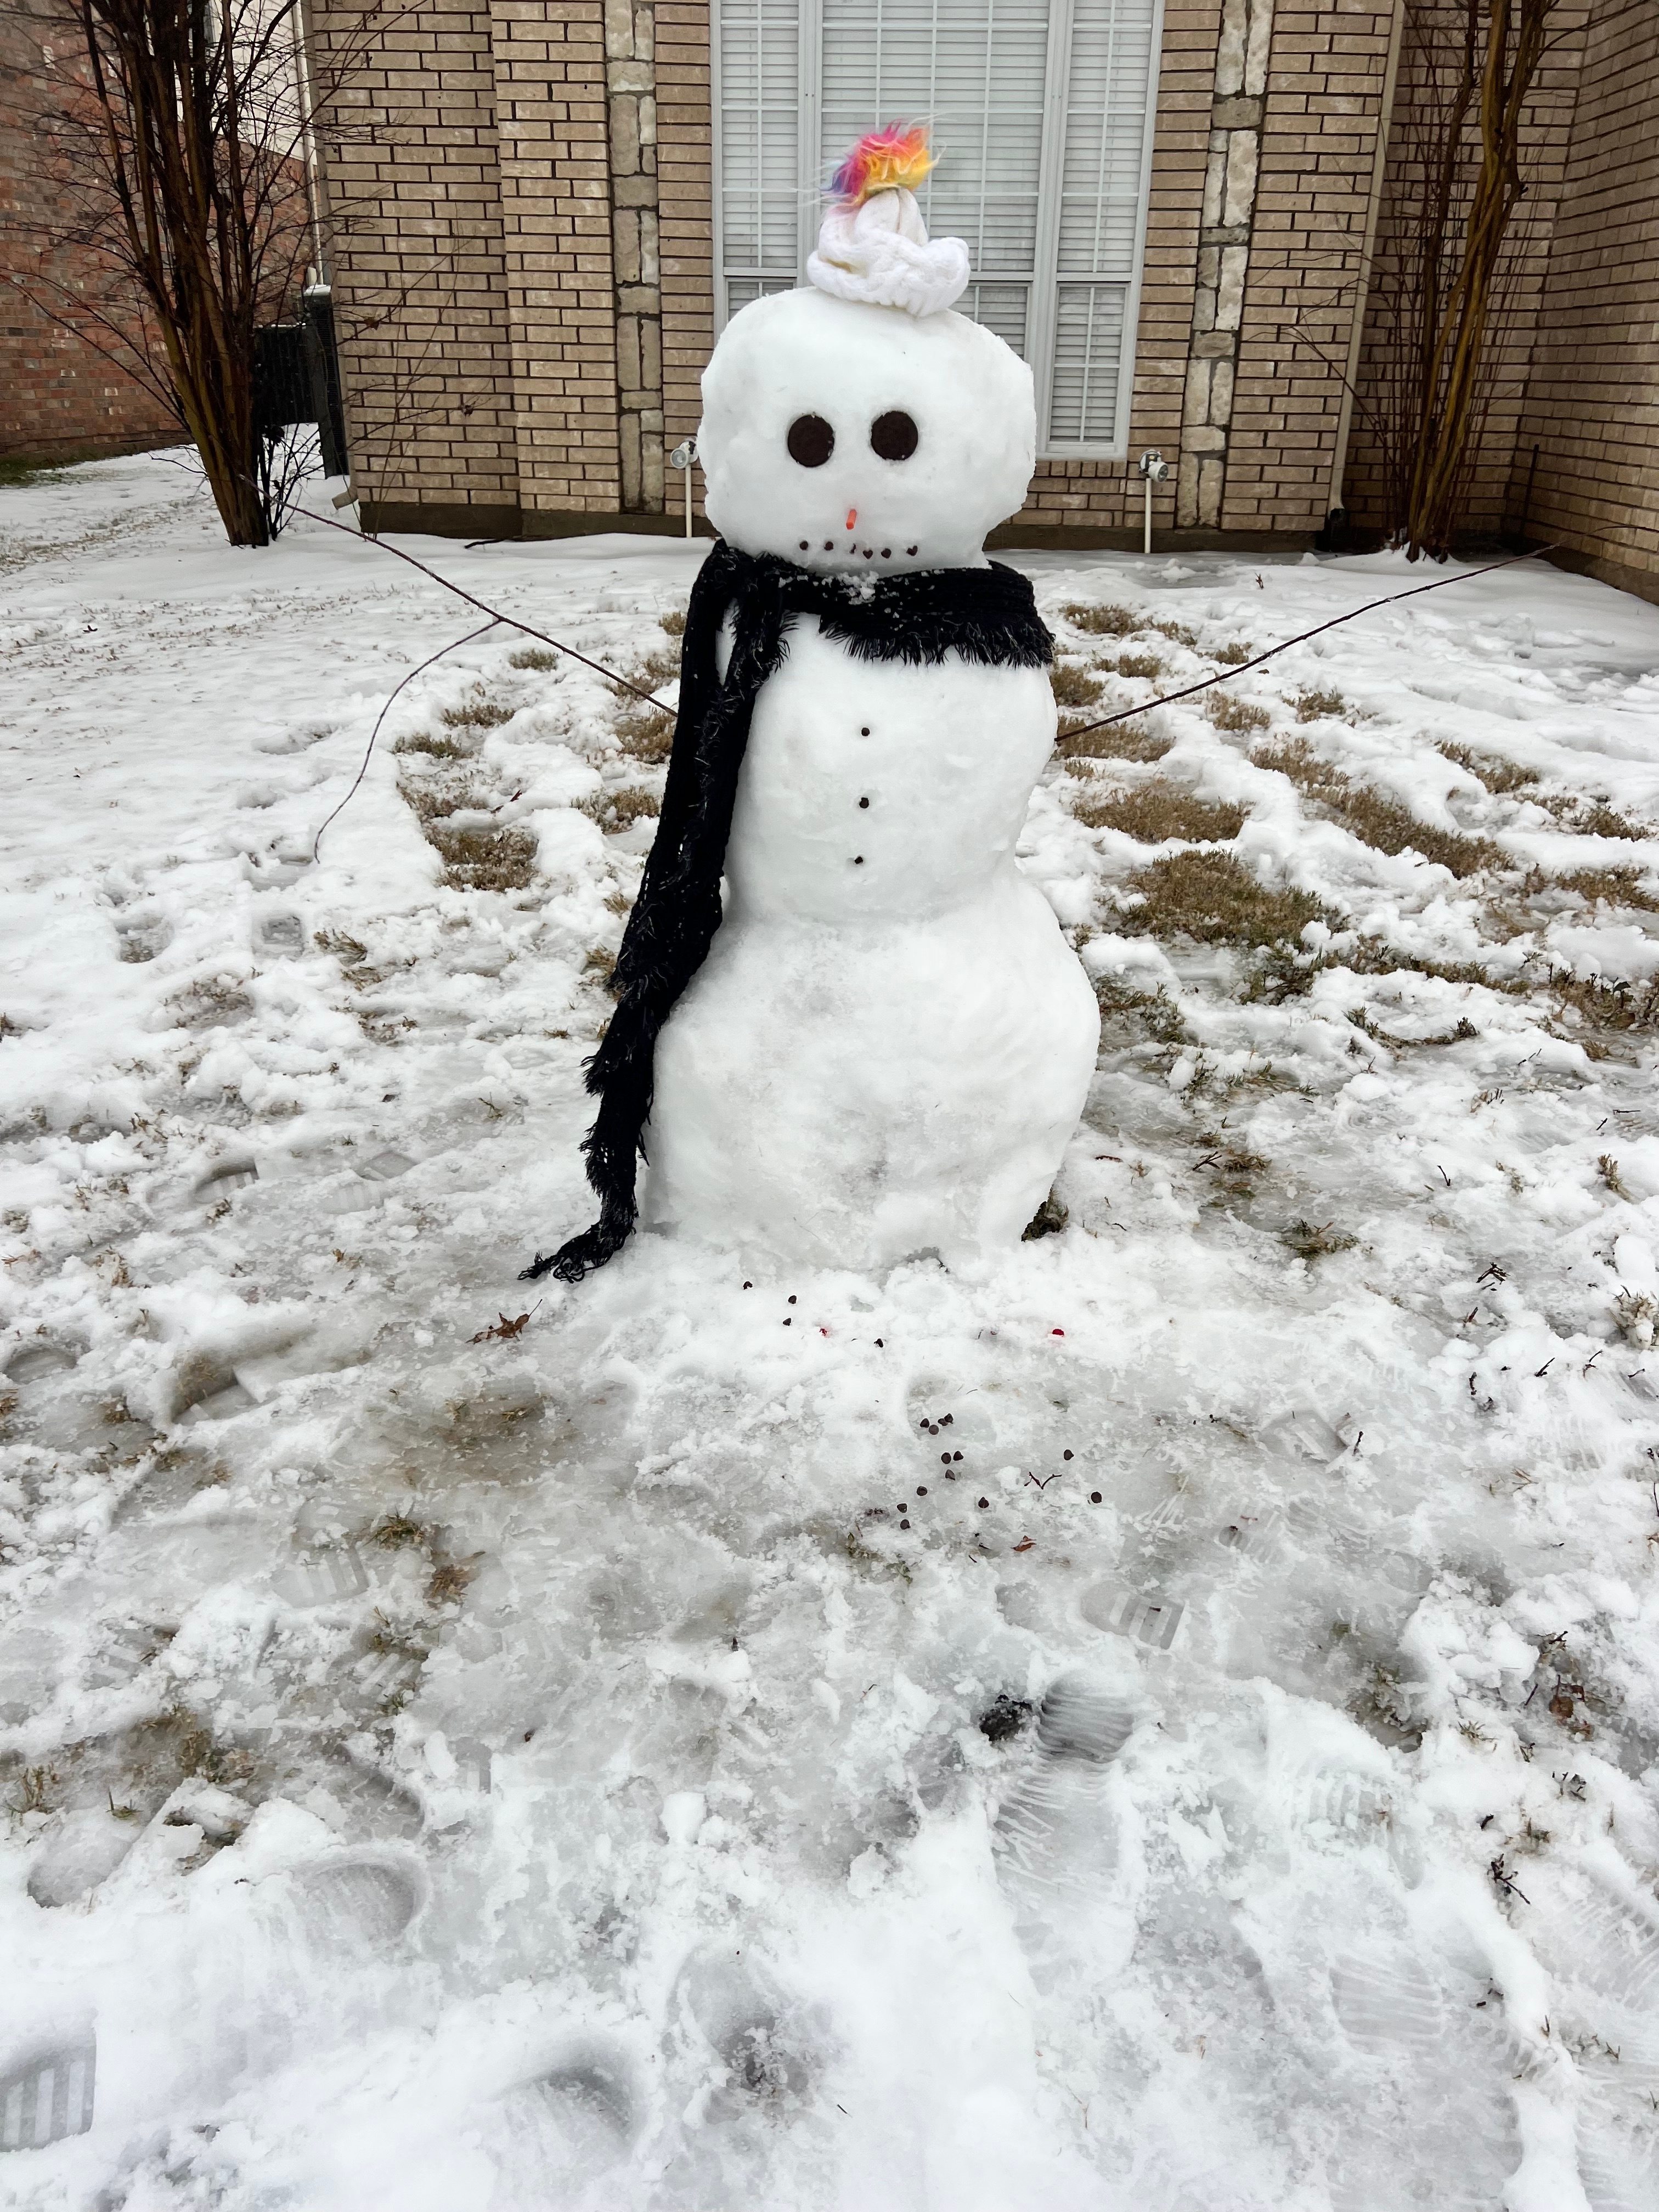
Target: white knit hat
873,245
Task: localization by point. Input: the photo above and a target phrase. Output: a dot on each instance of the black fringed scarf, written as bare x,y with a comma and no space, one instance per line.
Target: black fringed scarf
986,615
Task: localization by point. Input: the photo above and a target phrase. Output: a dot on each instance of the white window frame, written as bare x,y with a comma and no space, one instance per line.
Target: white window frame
1045,278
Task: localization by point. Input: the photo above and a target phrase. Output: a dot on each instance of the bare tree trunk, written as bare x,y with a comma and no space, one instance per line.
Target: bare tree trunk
179,148
1452,252
194,215
1506,47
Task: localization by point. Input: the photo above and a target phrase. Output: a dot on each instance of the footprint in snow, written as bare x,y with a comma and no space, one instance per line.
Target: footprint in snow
1055,1840
1603,1954
744,2025
575,2120
364,1902
1432,2122
46,2092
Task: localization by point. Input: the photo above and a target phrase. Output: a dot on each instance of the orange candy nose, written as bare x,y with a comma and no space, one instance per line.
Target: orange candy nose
852,516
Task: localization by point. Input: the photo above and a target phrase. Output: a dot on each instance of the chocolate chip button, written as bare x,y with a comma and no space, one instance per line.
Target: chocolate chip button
864,802
865,732
858,859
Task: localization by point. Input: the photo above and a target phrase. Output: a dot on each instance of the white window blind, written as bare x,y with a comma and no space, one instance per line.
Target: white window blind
1040,117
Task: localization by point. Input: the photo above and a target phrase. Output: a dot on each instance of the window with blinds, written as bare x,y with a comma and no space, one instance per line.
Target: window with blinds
1040,113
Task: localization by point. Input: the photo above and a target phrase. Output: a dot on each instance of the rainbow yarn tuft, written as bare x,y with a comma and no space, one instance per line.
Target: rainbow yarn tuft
881,161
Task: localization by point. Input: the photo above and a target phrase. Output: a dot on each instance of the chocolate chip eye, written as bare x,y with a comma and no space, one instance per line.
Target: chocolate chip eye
894,436
810,440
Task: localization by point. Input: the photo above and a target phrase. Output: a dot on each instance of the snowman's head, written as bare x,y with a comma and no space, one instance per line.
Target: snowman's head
854,437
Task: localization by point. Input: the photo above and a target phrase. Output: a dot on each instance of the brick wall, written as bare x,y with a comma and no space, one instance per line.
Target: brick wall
1592,407
59,394
1518,297
588,145
408,136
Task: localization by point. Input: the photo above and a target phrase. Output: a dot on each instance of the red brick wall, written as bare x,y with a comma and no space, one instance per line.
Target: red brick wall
58,394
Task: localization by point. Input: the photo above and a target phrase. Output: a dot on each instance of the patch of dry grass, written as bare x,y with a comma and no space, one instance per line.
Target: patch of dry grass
1214,899
1129,1016
1499,776
1309,1241
1380,823
478,713
1177,632
601,968
1131,664
616,811
444,749
1593,817
1156,812
430,802
647,734
1234,655
1316,706
533,656
1105,622
1130,741
484,859
1602,887
652,673
673,622
1073,686
1230,714
1615,1007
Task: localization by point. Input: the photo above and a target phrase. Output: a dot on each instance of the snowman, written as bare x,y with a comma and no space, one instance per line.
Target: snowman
848,1030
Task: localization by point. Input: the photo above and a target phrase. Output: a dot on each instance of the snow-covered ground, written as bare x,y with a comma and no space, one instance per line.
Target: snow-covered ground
1170,1726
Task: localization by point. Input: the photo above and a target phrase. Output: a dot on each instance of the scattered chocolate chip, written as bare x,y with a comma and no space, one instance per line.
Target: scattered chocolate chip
749,1286
902,1506
925,1423
911,551
829,545
984,1501
956,1455
880,1346
792,1301
864,802
945,1459
803,544
1094,1497
858,859
886,552
1003,1717
786,1322
865,732
1065,1454
945,1419
921,1490
904,1524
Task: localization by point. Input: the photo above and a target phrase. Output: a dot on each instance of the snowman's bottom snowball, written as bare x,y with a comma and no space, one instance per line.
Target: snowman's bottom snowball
850,1098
